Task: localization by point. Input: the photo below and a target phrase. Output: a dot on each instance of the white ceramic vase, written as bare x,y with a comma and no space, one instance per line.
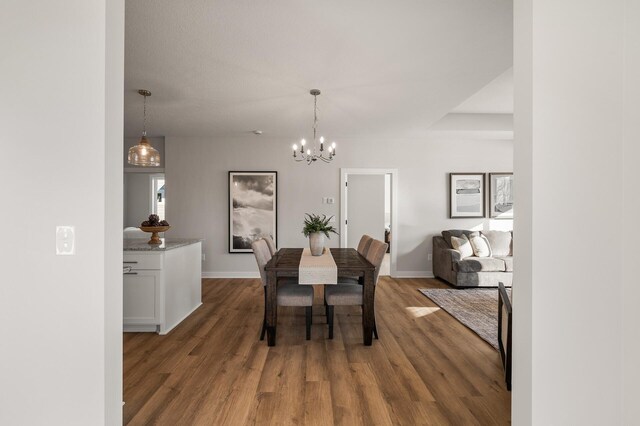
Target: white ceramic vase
316,243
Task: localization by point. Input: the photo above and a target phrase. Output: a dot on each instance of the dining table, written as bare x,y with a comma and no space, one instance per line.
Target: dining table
286,263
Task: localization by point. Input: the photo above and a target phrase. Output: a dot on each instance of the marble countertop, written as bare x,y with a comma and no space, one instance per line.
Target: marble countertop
141,244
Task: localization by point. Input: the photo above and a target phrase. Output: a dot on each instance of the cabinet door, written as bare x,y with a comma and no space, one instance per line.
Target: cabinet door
141,297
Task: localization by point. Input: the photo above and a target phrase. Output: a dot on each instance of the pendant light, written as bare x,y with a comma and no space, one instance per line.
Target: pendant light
314,153
143,154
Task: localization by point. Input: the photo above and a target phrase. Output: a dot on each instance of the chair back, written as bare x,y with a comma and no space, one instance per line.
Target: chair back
263,256
375,254
271,244
364,244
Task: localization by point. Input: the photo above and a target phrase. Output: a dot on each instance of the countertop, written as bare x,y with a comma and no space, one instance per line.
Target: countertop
141,244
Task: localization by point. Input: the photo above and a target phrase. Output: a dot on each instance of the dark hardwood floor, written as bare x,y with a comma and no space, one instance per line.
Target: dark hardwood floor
426,369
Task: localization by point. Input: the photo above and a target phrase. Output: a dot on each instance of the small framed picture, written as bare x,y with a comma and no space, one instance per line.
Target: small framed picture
253,202
466,195
501,195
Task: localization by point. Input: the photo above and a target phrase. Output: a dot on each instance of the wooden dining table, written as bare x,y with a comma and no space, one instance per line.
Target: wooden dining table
350,263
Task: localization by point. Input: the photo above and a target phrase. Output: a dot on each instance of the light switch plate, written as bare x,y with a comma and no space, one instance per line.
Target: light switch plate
330,200
65,240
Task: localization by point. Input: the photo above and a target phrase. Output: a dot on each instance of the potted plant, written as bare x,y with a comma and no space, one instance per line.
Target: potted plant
316,227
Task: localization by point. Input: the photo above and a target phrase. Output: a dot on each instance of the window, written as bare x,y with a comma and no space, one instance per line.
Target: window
158,198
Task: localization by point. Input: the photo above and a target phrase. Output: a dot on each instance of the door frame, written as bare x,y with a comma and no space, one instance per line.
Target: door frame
344,177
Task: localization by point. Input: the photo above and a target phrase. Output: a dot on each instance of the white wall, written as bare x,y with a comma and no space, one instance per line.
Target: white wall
365,208
575,336
60,356
137,198
630,209
196,172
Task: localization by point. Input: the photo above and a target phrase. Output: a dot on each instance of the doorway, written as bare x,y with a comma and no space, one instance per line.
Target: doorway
368,205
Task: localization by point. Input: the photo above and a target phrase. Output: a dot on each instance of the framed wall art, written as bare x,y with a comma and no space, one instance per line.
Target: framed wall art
466,195
501,195
253,202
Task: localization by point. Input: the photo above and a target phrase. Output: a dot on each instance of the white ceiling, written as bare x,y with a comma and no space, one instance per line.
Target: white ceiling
494,98
385,68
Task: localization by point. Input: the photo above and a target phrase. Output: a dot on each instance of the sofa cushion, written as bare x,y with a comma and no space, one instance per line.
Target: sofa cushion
480,245
462,245
508,262
480,264
500,242
454,233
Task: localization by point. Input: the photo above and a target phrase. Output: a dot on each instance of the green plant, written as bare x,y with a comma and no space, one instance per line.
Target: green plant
314,223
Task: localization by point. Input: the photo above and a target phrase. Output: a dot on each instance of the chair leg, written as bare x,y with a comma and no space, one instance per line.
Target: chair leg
264,329
309,316
330,320
264,319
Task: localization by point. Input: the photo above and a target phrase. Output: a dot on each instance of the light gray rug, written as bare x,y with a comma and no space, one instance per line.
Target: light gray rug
475,308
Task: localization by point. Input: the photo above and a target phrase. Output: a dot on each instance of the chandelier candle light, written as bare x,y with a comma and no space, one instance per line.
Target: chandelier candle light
143,154
314,154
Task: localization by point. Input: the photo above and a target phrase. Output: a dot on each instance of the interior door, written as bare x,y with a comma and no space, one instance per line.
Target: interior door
365,207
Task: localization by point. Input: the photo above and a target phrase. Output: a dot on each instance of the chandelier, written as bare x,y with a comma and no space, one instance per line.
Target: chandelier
143,154
314,153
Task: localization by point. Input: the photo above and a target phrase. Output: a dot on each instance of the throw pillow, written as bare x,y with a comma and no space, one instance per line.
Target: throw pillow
480,245
462,245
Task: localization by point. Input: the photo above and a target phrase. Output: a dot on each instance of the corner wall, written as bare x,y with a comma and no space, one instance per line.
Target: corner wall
60,127
197,190
576,137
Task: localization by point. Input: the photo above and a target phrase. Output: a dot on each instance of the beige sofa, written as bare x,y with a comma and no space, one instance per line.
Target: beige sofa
473,271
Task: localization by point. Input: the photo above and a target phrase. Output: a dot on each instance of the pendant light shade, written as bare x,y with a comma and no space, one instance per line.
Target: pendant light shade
143,154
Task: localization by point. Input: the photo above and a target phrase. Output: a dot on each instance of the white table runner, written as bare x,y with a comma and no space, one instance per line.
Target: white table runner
317,269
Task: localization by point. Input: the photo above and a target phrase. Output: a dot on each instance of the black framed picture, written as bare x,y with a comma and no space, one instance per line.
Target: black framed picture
253,202
466,195
501,195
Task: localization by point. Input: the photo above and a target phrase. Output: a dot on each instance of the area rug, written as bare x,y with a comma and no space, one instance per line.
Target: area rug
475,308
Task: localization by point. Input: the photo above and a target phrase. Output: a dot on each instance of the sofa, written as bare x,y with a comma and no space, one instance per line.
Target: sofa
450,265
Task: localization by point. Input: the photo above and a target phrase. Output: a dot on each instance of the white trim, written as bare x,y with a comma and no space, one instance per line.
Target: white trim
162,333
230,274
144,169
414,274
394,209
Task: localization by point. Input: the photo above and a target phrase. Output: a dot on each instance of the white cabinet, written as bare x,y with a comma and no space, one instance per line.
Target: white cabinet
162,288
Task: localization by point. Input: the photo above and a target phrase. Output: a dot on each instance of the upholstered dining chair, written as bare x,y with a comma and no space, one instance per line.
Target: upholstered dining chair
363,248
271,244
288,293
351,294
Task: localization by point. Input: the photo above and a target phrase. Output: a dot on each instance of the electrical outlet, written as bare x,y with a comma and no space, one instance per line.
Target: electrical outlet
65,240
203,257
330,200
429,256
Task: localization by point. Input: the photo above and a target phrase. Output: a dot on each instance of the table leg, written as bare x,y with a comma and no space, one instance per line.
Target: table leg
271,307
368,315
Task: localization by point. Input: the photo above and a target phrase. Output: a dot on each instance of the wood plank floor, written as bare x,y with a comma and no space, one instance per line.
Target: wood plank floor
426,369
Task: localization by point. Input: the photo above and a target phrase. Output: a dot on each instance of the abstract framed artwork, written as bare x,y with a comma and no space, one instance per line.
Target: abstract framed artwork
466,195
501,195
253,202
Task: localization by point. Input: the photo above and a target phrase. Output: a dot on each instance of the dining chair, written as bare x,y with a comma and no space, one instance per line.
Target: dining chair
363,248
351,294
271,244
288,293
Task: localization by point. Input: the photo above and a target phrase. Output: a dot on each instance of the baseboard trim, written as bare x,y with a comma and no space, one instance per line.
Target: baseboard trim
230,274
243,274
414,274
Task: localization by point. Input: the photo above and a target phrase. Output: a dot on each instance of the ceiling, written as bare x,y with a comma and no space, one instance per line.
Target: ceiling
386,68
494,98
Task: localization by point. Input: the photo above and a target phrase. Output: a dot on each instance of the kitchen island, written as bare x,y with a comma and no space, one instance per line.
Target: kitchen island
163,286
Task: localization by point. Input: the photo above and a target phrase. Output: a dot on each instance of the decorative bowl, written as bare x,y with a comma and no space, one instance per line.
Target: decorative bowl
155,239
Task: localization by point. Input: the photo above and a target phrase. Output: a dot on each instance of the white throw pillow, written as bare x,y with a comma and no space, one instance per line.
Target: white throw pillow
462,245
480,245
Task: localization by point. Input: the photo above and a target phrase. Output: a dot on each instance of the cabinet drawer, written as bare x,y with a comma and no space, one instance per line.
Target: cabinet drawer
143,261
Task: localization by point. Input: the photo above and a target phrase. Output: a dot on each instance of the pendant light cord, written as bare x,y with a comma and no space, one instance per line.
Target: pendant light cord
315,118
144,120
